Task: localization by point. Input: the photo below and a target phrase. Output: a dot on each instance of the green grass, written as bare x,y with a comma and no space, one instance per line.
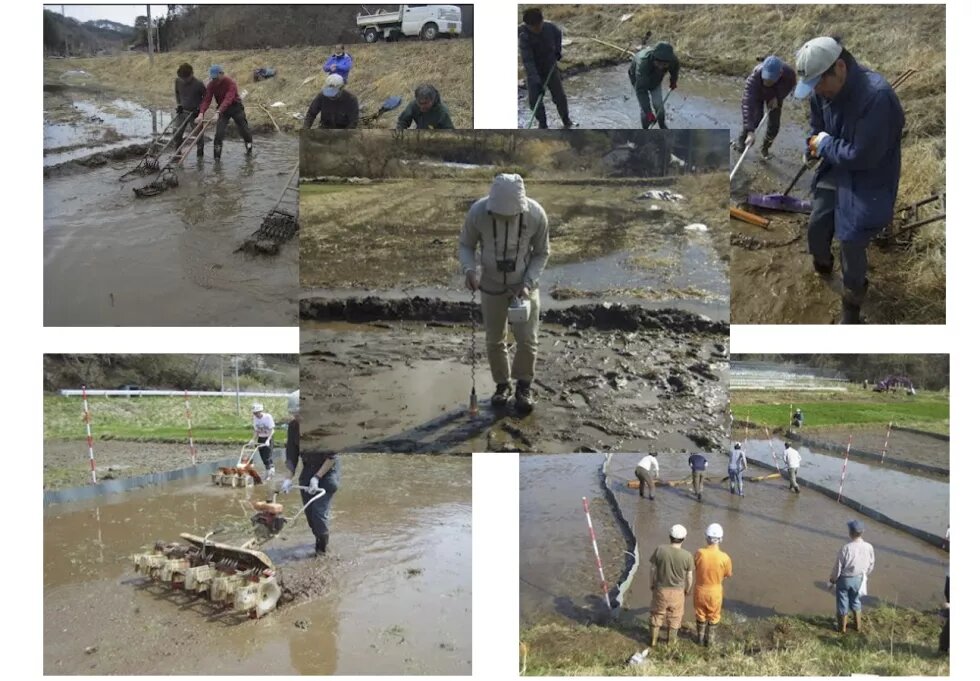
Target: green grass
154,419
895,642
914,413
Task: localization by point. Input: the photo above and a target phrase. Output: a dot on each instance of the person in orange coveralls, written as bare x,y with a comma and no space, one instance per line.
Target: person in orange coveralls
711,567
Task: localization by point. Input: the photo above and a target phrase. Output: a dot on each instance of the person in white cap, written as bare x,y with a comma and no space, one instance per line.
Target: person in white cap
712,567
671,580
647,471
856,124
792,459
263,427
512,233
336,107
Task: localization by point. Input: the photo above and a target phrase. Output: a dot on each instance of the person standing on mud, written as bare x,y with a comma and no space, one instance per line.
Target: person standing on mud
263,429
736,467
765,89
539,43
646,73
712,566
792,459
512,232
848,577
336,107
698,464
671,580
189,92
339,63
647,470
224,91
856,124
321,470
426,111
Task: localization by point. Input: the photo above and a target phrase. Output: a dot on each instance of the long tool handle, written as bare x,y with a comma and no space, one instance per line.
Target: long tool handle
741,158
796,179
544,88
316,495
289,183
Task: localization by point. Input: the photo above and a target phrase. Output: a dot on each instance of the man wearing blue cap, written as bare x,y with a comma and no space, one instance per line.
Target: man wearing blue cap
765,89
856,124
849,576
336,107
224,91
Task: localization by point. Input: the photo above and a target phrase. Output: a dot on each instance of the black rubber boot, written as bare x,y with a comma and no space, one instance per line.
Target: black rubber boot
764,152
321,544
850,313
217,152
523,400
502,395
709,634
824,269
248,148
701,628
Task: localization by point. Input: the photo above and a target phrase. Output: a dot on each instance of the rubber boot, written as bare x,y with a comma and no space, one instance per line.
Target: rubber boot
842,624
823,269
248,148
709,634
500,398
321,544
523,401
857,621
654,636
217,152
672,637
850,313
701,628
764,152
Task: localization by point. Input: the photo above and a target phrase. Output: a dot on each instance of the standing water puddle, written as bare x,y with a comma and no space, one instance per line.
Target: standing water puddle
169,260
102,127
394,596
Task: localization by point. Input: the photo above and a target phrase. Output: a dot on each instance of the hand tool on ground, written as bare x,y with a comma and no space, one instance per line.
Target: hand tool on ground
151,157
280,224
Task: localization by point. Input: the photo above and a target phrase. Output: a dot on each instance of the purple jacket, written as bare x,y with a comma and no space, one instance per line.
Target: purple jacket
756,94
343,65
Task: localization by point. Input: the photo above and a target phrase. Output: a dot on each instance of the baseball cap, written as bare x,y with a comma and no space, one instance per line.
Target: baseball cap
815,57
678,532
257,407
772,66
335,83
215,70
855,526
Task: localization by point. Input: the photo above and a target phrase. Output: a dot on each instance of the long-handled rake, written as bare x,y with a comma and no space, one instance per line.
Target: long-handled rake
280,224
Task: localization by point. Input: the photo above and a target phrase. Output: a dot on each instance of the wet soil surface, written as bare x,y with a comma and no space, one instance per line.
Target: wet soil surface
66,462
559,577
916,501
607,379
782,544
393,596
902,445
113,259
606,242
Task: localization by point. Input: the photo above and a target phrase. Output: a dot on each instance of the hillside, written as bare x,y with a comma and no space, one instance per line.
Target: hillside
84,38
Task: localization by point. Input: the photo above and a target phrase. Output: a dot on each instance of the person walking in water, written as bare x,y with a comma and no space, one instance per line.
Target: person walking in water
647,470
698,464
736,466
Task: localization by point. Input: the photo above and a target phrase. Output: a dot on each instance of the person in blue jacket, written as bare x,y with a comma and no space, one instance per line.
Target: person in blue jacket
339,62
856,124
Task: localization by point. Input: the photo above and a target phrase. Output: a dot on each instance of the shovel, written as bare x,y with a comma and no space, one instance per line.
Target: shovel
782,202
741,158
392,102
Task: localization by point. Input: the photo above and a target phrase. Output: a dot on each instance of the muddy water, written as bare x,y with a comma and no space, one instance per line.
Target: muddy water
100,126
901,444
113,259
394,597
782,545
559,578
916,501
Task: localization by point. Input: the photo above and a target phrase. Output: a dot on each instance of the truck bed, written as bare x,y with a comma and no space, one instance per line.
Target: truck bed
379,18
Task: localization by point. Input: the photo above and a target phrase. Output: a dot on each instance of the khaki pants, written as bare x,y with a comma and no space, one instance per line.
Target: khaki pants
526,336
667,607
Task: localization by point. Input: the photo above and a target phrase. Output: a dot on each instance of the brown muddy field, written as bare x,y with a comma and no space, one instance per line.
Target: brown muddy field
607,379
901,445
66,462
393,596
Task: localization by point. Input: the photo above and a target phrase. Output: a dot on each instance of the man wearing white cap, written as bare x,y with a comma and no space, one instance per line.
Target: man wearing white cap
856,124
336,107
512,232
765,89
671,580
263,426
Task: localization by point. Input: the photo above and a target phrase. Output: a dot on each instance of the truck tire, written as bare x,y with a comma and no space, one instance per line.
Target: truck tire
371,36
429,32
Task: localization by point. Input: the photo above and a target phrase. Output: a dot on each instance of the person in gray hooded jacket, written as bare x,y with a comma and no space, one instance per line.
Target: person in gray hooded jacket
512,233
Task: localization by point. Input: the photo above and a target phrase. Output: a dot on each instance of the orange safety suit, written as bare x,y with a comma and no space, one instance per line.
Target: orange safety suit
711,567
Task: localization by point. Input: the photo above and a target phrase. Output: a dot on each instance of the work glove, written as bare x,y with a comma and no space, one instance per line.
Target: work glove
813,144
750,139
472,280
286,485
314,485
199,119
830,586
772,104
651,118
673,85
180,109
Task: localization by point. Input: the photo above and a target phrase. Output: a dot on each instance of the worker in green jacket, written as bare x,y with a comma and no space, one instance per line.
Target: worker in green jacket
647,72
426,111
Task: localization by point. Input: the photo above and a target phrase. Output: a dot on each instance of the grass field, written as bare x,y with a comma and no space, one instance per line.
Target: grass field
155,419
895,642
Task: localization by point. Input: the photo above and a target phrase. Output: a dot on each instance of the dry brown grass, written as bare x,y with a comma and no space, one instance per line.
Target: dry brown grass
380,70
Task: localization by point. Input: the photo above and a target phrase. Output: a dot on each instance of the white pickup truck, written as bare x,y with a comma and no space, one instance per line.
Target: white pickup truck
427,22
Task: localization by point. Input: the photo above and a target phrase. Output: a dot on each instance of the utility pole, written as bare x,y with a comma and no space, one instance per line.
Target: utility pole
149,34
66,34
238,395
221,368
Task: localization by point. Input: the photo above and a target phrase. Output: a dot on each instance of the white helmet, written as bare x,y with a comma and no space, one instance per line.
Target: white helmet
292,402
678,532
257,407
714,531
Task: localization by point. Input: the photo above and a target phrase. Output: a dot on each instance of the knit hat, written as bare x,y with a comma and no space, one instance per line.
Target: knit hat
772,67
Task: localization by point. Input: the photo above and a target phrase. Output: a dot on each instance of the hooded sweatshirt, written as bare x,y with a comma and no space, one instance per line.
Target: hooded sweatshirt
756,94
436,118
645,74
507,208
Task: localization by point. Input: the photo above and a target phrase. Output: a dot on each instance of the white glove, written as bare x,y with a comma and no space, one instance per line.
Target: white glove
314,485
749,140
286,485
200,117
813,144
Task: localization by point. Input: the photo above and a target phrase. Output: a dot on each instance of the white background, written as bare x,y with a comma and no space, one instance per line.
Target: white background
495,494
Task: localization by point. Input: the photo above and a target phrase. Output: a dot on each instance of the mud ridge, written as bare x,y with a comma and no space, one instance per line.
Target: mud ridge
872,457
632,564
101,158
924,433
603,317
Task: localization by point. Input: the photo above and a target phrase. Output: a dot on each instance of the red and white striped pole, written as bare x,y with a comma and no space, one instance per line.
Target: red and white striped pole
772,450
88,433
595,548
190,432
885,448
843,470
